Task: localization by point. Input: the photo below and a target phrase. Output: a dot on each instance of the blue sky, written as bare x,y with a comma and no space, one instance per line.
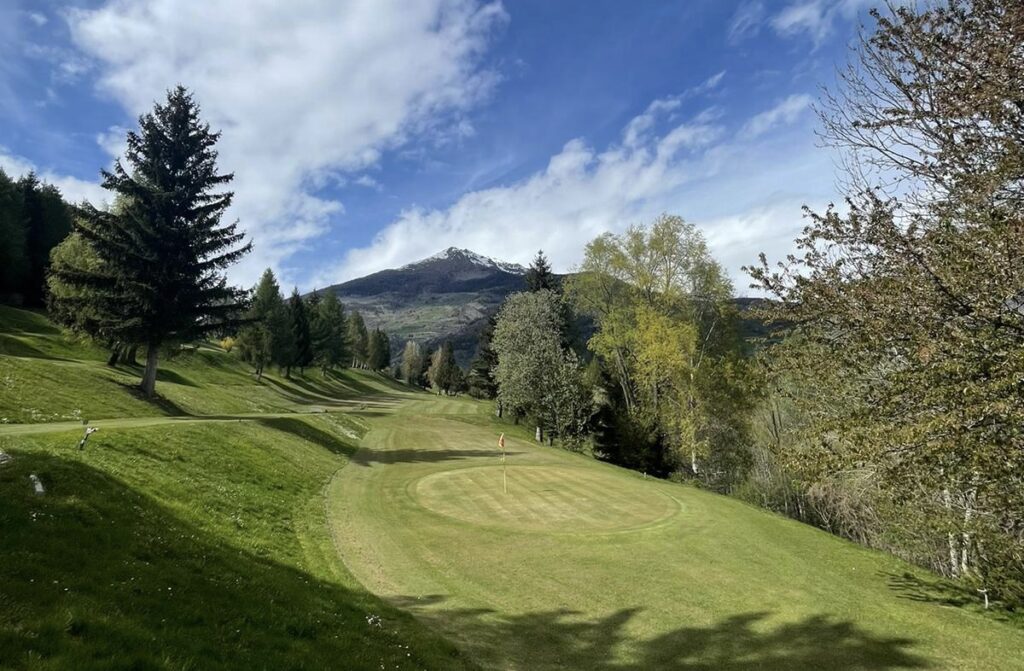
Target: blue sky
365,135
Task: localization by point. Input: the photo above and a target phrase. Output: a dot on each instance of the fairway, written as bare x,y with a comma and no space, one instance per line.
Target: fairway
586,566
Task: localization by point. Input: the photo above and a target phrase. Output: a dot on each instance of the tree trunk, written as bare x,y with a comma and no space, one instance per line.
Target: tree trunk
149,376
954,565
115,355
128,354
539,435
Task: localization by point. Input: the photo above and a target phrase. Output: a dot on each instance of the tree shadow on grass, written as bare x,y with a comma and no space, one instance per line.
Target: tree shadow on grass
165,405
94,575
173,377
560,639
297,427
944,592
368,456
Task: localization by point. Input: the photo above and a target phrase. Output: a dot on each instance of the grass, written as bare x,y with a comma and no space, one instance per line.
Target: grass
187,542
584,565
349,523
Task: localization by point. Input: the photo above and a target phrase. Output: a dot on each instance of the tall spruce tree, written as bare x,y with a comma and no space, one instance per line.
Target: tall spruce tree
48,221
267,334
539,275
163,251
13,259
481,373
328,330
302,354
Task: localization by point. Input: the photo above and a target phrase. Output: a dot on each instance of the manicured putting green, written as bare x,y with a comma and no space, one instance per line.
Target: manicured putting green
543,499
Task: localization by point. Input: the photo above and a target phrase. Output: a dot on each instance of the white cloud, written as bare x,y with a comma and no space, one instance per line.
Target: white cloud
744,191
746,22
786,112
74,190
816,17
300,90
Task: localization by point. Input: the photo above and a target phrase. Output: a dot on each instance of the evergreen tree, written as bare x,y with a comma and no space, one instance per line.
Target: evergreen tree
539,275
481,372
328,331
266,337
358,339
13,259
162,254
48,222
302,354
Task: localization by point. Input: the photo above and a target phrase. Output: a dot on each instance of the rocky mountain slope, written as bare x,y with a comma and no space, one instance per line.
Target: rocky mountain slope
447,296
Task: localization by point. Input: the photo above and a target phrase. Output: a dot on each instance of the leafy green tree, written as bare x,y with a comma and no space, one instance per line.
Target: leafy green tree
163,252
328,326
444,373
668,330
536,376
298,316
539,276
412,362
358,339
910,297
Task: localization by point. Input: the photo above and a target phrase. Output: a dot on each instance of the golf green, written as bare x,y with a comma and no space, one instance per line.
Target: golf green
583,565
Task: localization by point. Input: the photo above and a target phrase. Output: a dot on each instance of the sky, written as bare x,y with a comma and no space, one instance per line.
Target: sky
367,134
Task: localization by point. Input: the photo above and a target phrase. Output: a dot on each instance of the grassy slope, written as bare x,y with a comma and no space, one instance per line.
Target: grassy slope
181,544
535,580
177,541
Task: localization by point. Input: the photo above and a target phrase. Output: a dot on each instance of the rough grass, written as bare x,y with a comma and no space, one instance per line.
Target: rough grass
46,376
545,578
185,544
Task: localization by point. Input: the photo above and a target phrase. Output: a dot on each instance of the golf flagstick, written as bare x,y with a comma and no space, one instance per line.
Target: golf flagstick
504,474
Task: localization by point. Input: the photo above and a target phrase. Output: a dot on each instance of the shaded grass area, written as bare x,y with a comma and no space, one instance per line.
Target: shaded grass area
190,547
741,642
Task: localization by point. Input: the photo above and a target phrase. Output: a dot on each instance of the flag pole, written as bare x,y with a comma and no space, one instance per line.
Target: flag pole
504,473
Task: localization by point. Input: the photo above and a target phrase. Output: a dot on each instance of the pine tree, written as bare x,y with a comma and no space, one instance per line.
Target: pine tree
302,355
539,275
266,335
481,372
358,339
378,355
328,331
163,252
48,222
13,259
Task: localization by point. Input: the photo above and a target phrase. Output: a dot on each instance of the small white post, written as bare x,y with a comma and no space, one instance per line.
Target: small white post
37,484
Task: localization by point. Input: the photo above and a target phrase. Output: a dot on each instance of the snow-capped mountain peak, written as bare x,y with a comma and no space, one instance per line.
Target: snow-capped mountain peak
456,254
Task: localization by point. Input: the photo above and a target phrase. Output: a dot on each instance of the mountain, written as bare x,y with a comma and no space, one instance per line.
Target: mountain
447,296
450,295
